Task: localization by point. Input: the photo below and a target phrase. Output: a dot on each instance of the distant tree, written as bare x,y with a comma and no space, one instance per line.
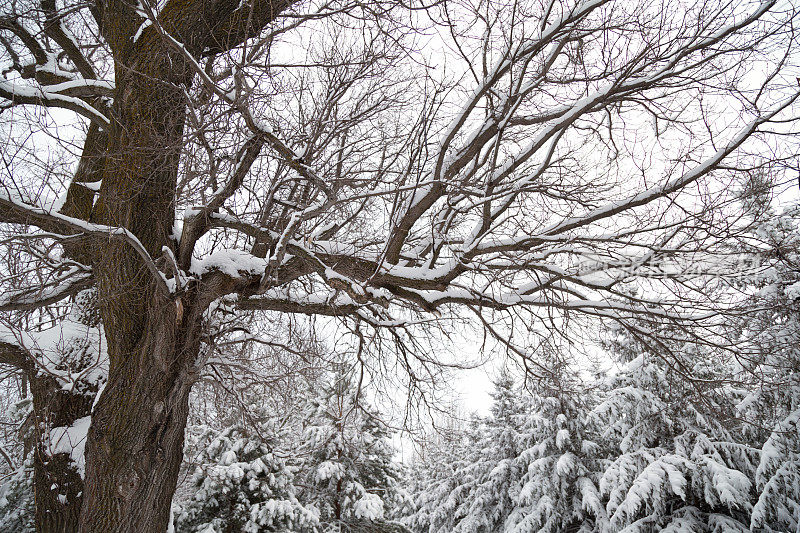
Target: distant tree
465,485
435,483
645,447
327,467
532,465
560,462
17,500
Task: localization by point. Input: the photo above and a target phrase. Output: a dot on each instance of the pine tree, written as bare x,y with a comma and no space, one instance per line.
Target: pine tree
496,470
772,360
435,475
677,462
470,491
530,466
348,470
560,461
242,486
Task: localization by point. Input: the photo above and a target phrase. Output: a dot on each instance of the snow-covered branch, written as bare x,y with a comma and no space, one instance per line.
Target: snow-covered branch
21,94
14,210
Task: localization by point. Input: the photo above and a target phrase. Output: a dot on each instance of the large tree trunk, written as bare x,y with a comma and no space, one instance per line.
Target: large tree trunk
135,443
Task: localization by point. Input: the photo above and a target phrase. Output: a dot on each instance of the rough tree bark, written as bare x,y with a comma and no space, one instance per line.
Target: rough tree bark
135,443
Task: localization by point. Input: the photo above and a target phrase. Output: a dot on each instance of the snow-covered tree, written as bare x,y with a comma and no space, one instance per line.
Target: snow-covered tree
241,485
532,465
327,467
643,448
17,500
676,462
349,472
16,488
771,363
435,483
560,461
463,483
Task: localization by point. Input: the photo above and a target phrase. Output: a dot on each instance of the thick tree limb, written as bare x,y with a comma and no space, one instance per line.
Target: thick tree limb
38,297
212,26
19,94
297,307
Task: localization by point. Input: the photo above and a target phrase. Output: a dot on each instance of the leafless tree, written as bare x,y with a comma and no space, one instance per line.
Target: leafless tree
381,163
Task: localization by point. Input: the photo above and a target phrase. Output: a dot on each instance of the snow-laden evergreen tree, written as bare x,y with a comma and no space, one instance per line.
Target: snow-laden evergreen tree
17,500
532,465
16,489
678,461
434,475
317,460
487,480
469,489
241,485
349,473
772,360
560,461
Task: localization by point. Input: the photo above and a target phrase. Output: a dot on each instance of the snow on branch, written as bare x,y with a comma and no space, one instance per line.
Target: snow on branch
14,210
69,284
21,94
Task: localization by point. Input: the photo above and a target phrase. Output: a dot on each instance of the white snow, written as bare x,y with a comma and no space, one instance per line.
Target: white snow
329,470
147,22
562,438
369,507
793,291
54,347
229,261
71,440
228,458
